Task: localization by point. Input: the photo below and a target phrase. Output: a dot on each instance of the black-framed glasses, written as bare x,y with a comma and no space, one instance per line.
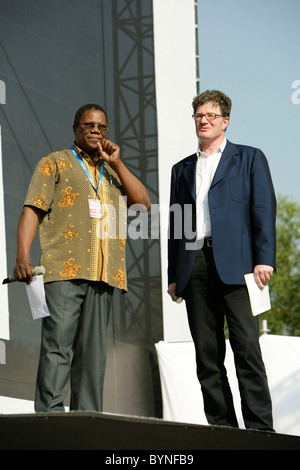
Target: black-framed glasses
208,116
91,125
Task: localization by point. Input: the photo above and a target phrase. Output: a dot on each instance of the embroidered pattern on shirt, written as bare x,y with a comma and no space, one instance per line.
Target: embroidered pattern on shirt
47,168
68,198
71,269
70,233
39,201
120,277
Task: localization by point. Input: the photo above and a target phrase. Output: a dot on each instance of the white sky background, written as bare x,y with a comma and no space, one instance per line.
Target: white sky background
250,49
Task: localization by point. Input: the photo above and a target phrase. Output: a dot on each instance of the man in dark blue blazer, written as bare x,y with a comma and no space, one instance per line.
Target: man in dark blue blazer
222,226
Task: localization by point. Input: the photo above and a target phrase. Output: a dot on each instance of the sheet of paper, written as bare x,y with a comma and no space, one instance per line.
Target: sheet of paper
36,298
259,299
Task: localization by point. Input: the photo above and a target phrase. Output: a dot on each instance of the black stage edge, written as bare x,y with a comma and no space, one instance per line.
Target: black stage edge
102,431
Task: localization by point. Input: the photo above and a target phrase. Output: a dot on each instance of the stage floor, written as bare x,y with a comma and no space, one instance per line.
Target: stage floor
102,431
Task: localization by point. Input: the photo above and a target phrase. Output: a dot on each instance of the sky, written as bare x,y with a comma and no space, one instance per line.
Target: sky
250,50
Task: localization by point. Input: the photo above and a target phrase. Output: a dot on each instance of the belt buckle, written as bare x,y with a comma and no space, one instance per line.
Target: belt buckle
209,242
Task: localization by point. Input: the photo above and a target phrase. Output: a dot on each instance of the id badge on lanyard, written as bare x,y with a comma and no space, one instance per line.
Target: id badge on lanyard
95,208
94,204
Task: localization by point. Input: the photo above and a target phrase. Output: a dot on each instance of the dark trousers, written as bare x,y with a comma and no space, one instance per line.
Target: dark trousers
208,302
77,330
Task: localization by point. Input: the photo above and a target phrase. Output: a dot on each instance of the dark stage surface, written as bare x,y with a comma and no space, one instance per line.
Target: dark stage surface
101,431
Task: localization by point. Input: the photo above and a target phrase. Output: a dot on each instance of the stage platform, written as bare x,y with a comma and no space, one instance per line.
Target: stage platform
110,432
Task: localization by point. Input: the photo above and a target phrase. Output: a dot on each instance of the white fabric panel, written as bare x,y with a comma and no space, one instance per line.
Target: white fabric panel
181,393
175,83
282,359
4,315
10,405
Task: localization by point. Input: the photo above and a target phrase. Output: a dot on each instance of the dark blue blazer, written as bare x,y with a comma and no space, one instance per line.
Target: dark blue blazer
242,208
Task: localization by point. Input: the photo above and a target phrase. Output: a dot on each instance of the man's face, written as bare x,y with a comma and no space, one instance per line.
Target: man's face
210,129
87,139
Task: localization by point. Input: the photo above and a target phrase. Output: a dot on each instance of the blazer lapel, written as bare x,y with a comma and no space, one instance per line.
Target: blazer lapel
189,172
226,162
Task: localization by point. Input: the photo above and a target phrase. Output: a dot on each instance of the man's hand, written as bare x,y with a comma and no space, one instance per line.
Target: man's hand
109,151
23,271
171,290
26,232
134,190
262,275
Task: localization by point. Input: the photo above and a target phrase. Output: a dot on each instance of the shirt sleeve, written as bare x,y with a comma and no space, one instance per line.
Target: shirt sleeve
41,189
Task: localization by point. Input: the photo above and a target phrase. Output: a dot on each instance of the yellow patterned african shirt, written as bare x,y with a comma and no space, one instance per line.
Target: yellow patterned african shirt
73,244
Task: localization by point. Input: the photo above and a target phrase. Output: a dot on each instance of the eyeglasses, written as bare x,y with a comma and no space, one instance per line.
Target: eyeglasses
208,116
90,125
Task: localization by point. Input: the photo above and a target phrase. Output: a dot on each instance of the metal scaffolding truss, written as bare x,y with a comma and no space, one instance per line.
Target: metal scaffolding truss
140,317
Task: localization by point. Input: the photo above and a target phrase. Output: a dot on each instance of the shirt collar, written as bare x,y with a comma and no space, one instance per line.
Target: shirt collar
220,149
86,157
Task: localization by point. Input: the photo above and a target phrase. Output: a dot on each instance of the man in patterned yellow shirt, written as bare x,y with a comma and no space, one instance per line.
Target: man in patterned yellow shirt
78,197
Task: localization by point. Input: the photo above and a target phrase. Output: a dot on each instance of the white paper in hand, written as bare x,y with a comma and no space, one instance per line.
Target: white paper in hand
36,298
259,299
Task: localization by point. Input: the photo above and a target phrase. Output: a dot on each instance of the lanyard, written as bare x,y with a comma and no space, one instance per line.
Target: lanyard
87,171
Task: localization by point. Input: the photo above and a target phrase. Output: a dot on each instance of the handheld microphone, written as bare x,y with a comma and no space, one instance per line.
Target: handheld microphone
35,272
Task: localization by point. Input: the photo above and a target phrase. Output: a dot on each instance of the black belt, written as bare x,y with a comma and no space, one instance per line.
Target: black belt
208,242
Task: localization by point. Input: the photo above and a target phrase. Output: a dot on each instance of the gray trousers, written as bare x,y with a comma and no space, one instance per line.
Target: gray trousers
77,329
